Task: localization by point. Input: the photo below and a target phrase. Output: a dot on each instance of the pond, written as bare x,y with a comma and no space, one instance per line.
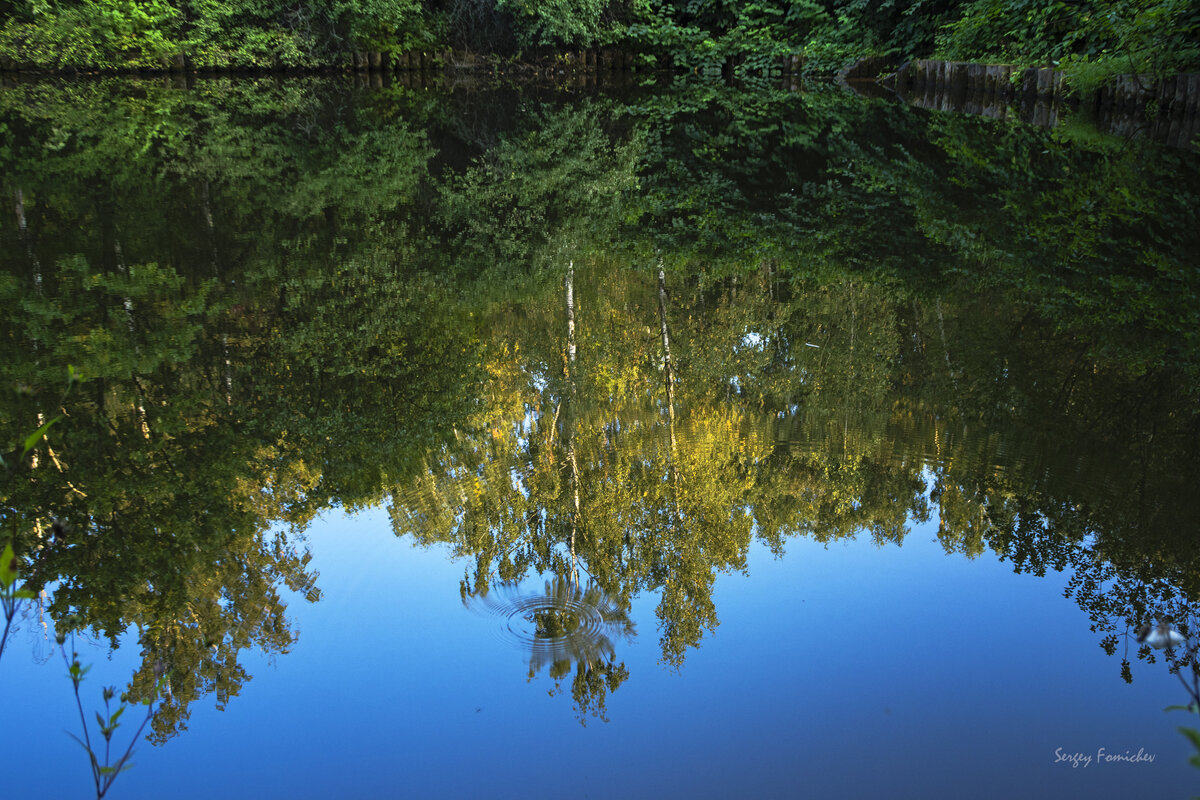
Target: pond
683,440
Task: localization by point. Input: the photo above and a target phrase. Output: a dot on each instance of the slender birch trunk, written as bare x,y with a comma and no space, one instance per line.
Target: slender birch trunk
668,367
570,421
669,377
140,405
26,239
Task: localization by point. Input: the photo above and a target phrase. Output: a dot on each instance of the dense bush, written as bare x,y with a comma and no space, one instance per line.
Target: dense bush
93,32
1093,38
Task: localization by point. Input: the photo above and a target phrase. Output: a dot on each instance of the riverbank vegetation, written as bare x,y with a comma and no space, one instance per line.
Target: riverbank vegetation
1093,38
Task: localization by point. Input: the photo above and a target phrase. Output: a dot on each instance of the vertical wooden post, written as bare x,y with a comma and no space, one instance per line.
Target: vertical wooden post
1045,82
1192,95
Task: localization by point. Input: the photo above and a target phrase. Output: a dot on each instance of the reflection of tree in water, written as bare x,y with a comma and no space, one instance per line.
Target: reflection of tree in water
780,405
851,410
193,432
562,626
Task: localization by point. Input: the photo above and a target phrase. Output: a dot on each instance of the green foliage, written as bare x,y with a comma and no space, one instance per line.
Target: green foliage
559,22
269,33
1193,736
1024,31
242,33
538,193
1092,41
10,594
388,25
186,445
703,36
252,33
95,33
750,37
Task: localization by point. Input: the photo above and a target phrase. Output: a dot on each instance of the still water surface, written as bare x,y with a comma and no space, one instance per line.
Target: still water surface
671,442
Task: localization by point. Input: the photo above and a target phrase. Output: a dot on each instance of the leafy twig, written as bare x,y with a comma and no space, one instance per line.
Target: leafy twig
104,774
10,595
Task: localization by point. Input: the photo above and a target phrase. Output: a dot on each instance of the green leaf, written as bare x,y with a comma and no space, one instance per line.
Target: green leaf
1191,734
76,738
112,721
25,594
8,575
1181,708
32,439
